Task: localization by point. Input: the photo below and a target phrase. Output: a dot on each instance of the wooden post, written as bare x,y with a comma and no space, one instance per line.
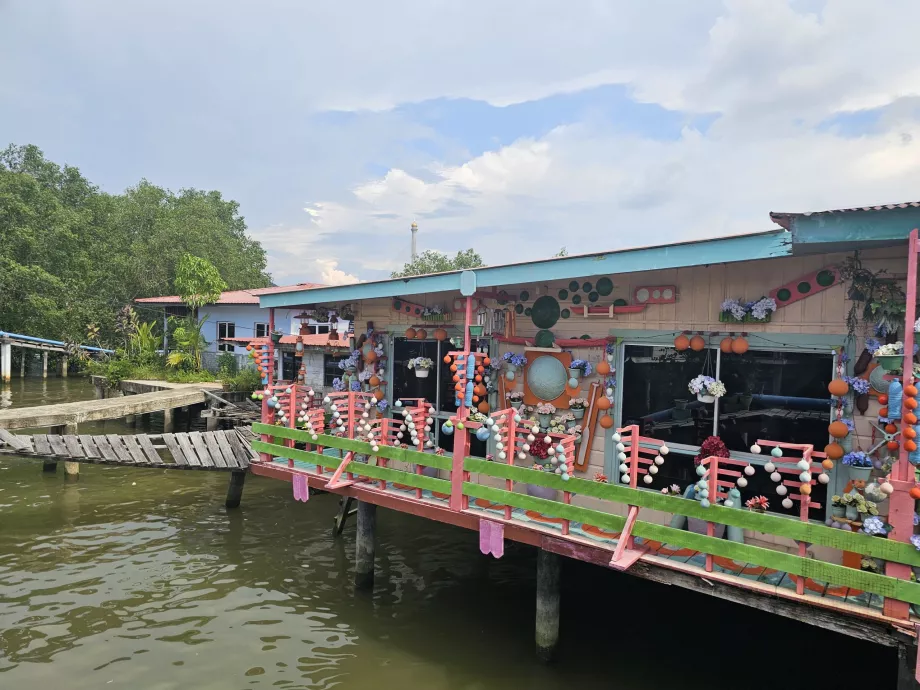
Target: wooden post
45,364
6,361
22,362
168,423
50,465
235,489
71,469
364,545
907,679
549,568
64,365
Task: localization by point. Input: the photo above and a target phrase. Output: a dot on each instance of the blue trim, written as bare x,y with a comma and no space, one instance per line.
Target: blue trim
45,341
855,226
765,245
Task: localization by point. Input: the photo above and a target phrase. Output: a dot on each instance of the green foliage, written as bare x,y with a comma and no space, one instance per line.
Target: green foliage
72,255
187,344
562,252
435,262
247,379
226,364
198,281
144,342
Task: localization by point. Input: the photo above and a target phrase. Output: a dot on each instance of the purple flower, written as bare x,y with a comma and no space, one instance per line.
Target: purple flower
859,386
915,540
844,358
356,386
338,385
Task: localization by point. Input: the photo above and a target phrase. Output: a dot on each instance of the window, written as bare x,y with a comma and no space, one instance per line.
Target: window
261,330
331,368
225,329
322,328
777,395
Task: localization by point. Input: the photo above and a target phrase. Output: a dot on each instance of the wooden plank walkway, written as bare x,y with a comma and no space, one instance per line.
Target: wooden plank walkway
42,416
210,450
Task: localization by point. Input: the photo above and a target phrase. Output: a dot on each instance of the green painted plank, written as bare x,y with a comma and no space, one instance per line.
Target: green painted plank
388,452
419,481
902,590
791,528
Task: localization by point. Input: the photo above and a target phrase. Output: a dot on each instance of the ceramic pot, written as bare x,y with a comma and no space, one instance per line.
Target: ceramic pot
851,513
680,403
516,404
891,362
860,473
476,331
838,511
544,420
708,399
578,412
698,526
575,373
422,373
546,492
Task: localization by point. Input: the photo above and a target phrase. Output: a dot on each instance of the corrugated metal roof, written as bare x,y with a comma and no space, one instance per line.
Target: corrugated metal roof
310,340
235,296
783,219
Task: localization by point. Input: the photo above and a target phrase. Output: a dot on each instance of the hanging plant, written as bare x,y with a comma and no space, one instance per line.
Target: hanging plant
877,300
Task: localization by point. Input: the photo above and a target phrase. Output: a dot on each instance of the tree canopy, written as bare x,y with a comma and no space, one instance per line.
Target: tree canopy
71,254
430,261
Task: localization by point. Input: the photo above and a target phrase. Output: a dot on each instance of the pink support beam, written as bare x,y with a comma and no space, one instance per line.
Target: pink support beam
461,437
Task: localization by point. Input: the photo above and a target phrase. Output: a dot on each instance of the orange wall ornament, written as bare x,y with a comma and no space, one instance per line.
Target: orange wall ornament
697,344
740,346
681,342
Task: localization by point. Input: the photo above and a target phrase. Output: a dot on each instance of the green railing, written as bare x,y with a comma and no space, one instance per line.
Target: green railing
875,547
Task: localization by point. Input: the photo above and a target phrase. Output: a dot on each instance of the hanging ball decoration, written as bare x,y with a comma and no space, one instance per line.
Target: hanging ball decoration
697,344
887,488
602,368
834,451
681,343
603,403
742,482
740,346
440,334
805,477
421,334
803,465
606,420
725,345
823,478
624,467
370,357
647,479
374,381
616,436
781,489
777,452
625,479
749,470
659,460
509,375
776,476
522,456
704,503
700,470
787,503
838,388
410,333
769,467
838,429
653,469
827,464
805,489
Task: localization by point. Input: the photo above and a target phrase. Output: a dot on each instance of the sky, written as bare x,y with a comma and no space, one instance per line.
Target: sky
514,128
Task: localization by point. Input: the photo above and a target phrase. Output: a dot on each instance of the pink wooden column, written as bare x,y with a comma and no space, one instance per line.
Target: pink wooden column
900,504
461,437
271,346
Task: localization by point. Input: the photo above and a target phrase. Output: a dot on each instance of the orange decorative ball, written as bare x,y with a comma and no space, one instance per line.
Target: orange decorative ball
697,344
456,378
883,412
486,361
370,357
883,400
892,445
440,334
603,368
479,390
910,390
740,346
477,378
726,345
910,403
453,367
374,381
606,421
910,418
484,407
603,403
447,361
481,370
421,334
827,464
838,387
805,489
475,398
915,493
834,451
459,387
890,428
681,342
378,394
909,432
838,429
910,446
410,333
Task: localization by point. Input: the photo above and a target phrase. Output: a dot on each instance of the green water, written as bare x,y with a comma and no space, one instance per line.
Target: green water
141,579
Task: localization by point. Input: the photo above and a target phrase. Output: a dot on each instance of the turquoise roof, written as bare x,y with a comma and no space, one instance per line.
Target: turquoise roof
763,245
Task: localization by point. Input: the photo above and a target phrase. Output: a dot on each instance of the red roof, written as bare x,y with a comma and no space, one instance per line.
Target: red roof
235,296
311,340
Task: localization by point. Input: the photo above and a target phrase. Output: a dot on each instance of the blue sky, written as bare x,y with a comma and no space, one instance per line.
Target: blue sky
592,124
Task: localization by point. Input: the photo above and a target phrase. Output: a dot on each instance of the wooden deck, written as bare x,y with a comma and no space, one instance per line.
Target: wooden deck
210,450
178,395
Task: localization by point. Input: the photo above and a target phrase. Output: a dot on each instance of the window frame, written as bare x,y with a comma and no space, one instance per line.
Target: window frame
255,329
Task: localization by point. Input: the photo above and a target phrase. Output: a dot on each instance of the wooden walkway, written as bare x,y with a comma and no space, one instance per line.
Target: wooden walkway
209,450
107,408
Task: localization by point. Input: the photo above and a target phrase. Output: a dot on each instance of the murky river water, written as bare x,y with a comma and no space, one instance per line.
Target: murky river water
141,579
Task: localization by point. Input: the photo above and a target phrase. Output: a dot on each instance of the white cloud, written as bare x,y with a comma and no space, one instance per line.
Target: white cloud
330,274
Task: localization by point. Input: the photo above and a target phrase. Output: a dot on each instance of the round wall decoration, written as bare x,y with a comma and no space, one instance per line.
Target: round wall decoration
565,313
545,312
576,299
518,308
587,287
620,302
524,296
573,286
594,296
604,286
563,294
544,338
546,377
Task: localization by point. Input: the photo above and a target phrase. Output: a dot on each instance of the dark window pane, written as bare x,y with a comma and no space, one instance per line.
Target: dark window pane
331,368
655,394
261,330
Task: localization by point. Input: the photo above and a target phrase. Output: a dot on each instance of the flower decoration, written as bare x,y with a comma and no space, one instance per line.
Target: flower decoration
734,307
582,364
757,503
351,362
578,403
382,405
539,449
889,349
759,309
338,385
515,359
546,408
420,363
712,446
857,458
857,385
706,385
439,451
600,477
673,490
355,386
515,396
875,526
915,540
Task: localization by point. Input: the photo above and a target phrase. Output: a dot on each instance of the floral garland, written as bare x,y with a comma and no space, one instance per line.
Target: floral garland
759,309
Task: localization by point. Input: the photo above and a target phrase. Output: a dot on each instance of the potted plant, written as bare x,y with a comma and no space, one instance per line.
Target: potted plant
673,490
350,364
577,407
476,330
890,356
513,361
859,464
516,398
838,509
421,366
276,336
579,368
757,504
706,388
545,411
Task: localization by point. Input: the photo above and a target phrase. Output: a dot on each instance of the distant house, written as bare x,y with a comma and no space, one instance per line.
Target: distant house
236,319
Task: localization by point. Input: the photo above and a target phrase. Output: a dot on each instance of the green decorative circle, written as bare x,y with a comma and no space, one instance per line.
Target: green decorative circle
620,302
524,296
545,312
528,311
518,308
586,337
587,287
397,305
565,313
544,338
576,299
593,296
502,297
546,377
604,286
825,278
783,294
418,311
408,309
563,294
573,286
804,287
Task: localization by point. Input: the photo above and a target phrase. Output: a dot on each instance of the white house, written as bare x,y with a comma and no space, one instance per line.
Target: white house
236,319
